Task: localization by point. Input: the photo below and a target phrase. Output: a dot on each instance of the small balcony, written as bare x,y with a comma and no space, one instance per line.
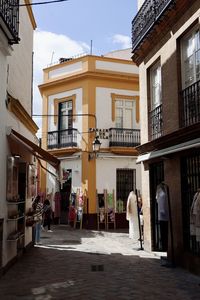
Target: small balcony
121,137
191,105
9,19
149,14
156,122
62,139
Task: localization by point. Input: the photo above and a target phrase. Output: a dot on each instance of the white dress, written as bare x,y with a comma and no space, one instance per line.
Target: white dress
132,216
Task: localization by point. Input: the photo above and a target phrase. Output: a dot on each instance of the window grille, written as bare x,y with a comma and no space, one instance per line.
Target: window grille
190,182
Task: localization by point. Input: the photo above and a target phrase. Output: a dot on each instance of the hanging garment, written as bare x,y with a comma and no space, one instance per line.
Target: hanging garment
132,216
195,217
162,200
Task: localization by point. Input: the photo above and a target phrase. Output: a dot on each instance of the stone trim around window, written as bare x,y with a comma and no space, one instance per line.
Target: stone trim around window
115,97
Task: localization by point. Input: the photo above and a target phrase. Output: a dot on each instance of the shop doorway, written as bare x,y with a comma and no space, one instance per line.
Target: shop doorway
126,182
156,173
65,193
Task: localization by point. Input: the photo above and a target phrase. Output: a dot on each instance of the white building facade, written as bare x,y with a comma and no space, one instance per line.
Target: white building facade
85,98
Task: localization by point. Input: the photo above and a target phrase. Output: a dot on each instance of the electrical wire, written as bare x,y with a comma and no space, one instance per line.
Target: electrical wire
40,3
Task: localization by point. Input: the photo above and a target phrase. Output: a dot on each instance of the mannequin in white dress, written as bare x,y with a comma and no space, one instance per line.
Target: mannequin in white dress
132,216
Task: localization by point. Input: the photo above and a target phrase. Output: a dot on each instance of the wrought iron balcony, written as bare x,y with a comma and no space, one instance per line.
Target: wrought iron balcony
62,139
191,104
149,14
156,122
124,137
9,19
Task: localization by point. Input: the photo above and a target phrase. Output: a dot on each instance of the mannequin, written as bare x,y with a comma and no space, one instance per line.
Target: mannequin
163,213
132,216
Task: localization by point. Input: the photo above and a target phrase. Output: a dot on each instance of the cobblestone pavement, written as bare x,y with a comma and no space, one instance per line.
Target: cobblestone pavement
81,264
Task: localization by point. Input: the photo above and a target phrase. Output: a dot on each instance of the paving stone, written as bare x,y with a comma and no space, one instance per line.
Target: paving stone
82,264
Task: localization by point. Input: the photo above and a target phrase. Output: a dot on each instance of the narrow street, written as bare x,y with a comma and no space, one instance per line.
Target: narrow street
81,264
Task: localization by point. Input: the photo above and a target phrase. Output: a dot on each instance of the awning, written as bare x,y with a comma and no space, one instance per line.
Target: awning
166,151
33,148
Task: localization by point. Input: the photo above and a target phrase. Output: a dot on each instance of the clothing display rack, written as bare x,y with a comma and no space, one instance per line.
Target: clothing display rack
101,209
110,209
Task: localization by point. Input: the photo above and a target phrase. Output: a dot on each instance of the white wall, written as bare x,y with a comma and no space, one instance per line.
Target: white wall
121,54
20,63
106,171
15,77
64,70
116,67
3,145
140,2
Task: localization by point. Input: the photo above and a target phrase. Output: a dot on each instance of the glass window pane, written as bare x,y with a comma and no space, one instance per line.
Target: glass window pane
128,119
155,86
119,103
198,65
129,103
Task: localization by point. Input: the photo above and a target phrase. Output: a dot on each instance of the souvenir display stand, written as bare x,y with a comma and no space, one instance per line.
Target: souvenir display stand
101,209
106,210
72,209
110,210
76,209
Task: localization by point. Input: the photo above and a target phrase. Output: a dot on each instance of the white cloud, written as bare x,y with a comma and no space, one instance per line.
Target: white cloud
124,40
48,48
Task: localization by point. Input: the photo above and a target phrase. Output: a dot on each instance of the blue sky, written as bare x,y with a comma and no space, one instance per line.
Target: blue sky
66,29
86,20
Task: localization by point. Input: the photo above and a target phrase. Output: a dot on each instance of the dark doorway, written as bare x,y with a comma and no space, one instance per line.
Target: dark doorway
156,173
65,192
126,182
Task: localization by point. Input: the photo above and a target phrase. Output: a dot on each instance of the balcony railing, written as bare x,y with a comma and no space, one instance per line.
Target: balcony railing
191,104
124,137
62,139
156,122
9,19
150,12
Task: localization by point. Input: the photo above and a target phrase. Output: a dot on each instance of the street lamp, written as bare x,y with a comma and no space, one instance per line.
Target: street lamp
96,144
96,147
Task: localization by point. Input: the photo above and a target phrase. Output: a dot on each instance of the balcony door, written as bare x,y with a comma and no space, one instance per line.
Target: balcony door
124,110
65,115
190,71
155,114
65,123
190,46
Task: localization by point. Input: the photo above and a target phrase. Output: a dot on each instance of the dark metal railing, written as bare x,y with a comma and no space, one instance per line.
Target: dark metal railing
150,12
156,122
124,137
191,104
9,19
62,138
190,183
